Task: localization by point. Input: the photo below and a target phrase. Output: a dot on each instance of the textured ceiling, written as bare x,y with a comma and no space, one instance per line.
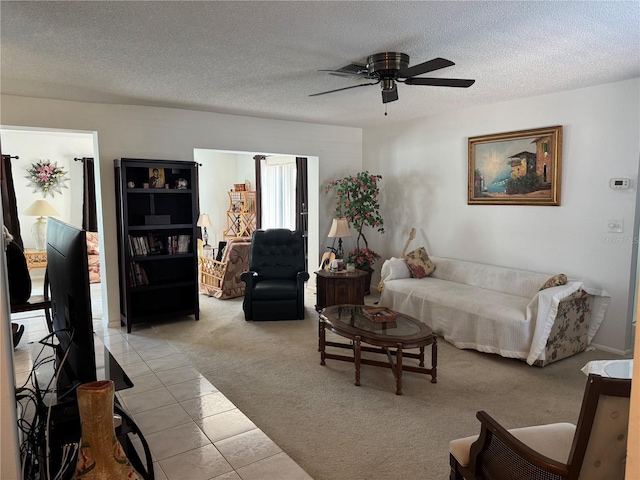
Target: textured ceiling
262,58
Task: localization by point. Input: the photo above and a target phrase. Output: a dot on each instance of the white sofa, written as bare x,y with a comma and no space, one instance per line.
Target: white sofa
497,310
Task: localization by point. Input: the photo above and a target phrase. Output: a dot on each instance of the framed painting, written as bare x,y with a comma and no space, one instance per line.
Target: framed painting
156,177
516,168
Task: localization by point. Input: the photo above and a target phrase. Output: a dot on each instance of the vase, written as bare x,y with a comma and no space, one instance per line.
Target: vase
100,456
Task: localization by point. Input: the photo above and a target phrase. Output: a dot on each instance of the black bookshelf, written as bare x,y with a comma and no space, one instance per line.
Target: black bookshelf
157,232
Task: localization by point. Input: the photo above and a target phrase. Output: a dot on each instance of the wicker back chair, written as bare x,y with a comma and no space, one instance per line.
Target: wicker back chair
221,279
595,449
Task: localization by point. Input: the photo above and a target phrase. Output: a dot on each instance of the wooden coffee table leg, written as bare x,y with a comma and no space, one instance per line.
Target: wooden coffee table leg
321,340
421,357
399,370
434,361
356,358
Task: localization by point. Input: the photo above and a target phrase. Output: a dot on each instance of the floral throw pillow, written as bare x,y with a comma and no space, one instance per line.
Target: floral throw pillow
555,281
419,263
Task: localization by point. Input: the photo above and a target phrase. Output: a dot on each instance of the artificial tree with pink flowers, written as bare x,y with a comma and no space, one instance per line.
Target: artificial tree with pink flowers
357,202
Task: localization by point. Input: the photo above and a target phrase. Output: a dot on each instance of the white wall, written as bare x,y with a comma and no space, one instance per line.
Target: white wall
424,169
164,133
246,169
216,175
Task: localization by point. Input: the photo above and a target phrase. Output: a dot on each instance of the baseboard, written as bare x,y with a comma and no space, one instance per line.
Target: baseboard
610,350
113,323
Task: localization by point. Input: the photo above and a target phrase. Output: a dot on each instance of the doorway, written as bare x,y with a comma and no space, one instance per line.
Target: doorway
31,145
221,170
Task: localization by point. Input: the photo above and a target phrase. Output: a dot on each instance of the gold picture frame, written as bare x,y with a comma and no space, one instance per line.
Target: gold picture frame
516,168
156,177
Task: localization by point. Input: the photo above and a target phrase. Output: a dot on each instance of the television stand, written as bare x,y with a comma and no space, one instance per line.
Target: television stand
64,422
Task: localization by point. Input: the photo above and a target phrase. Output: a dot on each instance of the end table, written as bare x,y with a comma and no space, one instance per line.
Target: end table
339,288
36,258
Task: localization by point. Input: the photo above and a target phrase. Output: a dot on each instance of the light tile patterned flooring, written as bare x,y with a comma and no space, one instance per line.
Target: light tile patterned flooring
194,432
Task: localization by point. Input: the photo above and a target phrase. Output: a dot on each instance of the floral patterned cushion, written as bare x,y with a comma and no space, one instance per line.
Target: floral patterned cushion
93,254
555,281
93,246
419,263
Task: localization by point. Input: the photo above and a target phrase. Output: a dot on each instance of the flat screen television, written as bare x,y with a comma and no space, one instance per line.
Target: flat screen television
68,270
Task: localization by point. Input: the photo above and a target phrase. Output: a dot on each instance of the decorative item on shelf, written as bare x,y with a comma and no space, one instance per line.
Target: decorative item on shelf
157,219
181,184
131,184
337,265
357,201
339,230
47,177
247,185
204,221
239,187
156,177
101,456
40,209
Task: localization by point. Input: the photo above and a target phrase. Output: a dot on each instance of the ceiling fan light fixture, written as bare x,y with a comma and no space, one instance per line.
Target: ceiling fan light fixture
387,85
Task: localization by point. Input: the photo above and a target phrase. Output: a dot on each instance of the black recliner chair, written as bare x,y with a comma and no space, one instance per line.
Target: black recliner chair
275,280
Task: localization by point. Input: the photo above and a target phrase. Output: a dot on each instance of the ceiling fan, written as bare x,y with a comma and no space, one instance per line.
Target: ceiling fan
390,68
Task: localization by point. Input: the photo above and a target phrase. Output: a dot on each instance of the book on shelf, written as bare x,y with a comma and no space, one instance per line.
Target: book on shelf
137,275
141,246
178,244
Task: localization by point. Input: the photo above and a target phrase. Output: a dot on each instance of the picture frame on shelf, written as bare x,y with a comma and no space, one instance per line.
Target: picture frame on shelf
516,168
156,177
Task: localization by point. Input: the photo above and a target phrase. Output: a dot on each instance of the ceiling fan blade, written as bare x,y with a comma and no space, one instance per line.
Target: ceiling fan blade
345,88
425,67
351,70
440,82
390,95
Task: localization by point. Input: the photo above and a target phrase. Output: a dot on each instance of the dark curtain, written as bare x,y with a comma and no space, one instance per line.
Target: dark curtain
89,212
259,159
9,204
302,201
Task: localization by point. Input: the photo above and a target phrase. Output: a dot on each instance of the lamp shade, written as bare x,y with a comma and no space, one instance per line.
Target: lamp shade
339,228
204,220
41,208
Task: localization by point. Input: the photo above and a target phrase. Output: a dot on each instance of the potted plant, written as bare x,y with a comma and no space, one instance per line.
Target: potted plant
357,201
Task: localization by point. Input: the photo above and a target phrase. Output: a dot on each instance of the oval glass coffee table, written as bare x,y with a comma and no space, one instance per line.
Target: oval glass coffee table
391,338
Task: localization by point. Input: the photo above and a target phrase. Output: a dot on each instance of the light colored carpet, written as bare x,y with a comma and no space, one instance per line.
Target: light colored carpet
337,431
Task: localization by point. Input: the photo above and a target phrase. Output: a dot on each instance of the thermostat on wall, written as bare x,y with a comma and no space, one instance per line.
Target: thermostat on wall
619,183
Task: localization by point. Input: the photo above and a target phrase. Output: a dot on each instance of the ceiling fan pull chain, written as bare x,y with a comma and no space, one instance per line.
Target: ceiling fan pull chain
385,109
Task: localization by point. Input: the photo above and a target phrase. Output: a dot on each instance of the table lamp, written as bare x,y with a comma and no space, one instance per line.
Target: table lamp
40,209
204,221
339,229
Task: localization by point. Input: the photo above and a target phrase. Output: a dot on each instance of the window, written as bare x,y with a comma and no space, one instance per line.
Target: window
279,193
